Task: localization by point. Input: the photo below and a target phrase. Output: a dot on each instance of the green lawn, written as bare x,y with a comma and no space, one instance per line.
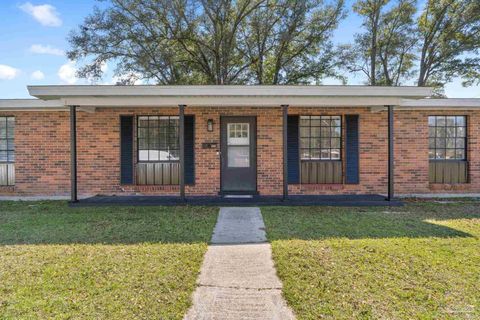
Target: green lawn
100,263
420,261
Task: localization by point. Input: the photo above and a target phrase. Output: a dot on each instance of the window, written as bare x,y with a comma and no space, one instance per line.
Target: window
320,137
7,145
238,145
7,151
158,138
447,137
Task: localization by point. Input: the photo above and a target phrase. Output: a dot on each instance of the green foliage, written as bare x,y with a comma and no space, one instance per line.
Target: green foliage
383,53
397,45
449,35
100,263
211,41
419,261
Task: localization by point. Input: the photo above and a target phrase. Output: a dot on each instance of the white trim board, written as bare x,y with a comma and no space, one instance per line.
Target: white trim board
56,92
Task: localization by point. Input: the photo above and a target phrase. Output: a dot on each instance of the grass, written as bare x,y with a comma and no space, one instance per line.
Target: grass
420,261
100,263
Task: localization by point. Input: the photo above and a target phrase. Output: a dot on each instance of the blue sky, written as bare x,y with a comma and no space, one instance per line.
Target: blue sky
33,40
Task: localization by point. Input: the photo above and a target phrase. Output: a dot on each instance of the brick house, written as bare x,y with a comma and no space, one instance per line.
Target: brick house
217,140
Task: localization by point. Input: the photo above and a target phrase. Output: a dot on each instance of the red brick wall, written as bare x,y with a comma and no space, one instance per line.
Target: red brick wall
43,152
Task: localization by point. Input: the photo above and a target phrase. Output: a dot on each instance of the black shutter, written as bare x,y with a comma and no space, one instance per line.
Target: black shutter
352,150
126,149
292,150
189,149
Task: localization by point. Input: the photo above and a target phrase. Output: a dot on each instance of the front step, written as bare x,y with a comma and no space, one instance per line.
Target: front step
238,196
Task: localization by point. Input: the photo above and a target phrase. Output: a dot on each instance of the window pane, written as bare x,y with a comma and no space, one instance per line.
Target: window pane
174,154
142,133
431,143
460,143
336,121
304,132
441,132
11,157
142,144
143,155
142,121
304,142
164,121
3,155
441,121
325,121
325,154
3,145
335,154
315,154
431,121
3,128
325,132
153,155
450,143
450,121
460,121
460,132
440,153
460,154
431,132
10,144
238,157
305,121
10,127
153,135
336,132
431,154
325,143
450,154
440,143
315,121
315,143
451,132
315,132
153,122
335,143
305,154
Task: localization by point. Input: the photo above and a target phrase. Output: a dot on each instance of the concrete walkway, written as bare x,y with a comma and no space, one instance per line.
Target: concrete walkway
238,278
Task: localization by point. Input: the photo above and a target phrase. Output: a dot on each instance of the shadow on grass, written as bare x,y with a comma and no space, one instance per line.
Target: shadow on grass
53,222
412,221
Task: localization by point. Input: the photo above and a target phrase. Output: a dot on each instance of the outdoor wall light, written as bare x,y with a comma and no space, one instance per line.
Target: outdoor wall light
210,125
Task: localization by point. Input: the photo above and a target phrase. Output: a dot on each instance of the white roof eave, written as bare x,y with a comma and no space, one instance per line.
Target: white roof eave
447,103
56,92
31,105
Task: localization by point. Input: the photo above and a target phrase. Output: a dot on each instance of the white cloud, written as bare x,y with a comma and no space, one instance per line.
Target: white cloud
7,72
41,49
46,14
67,73
37,75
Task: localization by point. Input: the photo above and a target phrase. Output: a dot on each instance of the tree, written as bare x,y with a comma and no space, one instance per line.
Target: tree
288,41
209,41
384,51
396,44
449,32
